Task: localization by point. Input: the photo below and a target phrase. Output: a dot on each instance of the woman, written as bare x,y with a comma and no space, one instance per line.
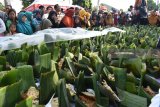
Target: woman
29,15
53,18
11,18
37,18
23,25
46,24
68,20
2,27
109,20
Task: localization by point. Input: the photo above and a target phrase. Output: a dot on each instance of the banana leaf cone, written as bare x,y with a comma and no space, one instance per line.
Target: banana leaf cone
107,91
10,95
134,65
24,73
43,49
96,89
48,84
25,103
131,87
45,62
56,53
120,73
131,78
11,58
66,73
62,94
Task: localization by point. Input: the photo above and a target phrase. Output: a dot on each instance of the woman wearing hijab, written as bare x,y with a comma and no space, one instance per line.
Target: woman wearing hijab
68,20
53,18
24,25
37,18
32,22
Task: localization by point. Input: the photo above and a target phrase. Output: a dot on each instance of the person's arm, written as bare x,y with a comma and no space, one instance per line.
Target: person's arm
2,26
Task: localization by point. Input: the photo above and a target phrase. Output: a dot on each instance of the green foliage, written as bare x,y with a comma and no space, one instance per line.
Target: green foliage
151,5
83,3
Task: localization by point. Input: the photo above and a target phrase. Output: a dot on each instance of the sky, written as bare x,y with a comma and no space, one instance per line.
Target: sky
119,4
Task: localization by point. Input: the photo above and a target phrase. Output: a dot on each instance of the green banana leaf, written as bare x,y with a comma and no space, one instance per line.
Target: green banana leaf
131,87
3,62
56,53
80,82
48,84
85,61
152,82
81,67
134,65
71,66
120,73
12,58
25,103
66,73
131,100
62,94
43,48
45,62
10,95
26,74
96,89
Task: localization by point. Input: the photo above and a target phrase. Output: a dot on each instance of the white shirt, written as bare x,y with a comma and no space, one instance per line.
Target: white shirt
45,16
2,26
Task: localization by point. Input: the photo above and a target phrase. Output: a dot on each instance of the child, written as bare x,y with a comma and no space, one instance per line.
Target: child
12,29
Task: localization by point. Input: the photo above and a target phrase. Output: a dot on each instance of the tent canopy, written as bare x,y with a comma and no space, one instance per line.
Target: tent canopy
46,3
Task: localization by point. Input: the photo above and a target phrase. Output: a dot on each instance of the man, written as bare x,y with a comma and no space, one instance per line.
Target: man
60,15
45,16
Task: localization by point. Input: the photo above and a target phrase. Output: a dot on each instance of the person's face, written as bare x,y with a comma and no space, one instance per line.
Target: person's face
24,18
77,20
54,16
38,15
49,10
58,9
8,8
13,28
12,15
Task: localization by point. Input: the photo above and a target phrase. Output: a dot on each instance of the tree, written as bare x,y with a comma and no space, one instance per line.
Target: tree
151,5
83,3
26,3
7,2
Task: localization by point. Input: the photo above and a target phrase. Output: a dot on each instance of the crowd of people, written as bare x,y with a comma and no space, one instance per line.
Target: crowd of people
54,17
